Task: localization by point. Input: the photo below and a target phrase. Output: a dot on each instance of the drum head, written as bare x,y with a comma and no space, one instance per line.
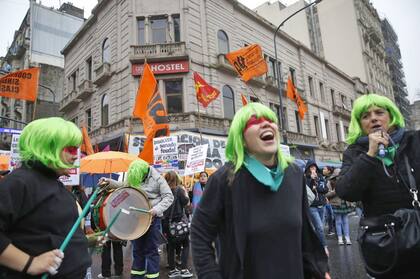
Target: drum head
127,226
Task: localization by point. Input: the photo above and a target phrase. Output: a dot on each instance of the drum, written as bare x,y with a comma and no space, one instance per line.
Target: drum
129,225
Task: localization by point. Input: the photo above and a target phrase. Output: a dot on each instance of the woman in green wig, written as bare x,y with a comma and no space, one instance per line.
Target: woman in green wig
374,170
146,260
256,206
36,210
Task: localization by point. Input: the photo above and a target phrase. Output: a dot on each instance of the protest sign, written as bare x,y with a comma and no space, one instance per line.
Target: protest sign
196,159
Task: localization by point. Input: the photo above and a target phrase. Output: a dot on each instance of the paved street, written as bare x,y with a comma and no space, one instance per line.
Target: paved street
345,260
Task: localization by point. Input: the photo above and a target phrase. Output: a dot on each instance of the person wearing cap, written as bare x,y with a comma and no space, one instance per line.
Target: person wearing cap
256,205
146,257
36,210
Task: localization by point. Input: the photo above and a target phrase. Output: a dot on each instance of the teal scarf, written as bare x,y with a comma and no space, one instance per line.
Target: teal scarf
270,178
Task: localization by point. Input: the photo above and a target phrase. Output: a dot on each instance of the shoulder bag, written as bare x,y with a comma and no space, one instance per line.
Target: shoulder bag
391,242
178,231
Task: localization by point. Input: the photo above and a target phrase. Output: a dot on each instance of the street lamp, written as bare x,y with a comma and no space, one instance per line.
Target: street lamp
52,93
279,79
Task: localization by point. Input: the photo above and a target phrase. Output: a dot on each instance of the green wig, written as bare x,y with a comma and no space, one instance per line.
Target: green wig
362,104
235,147
44,139
137,171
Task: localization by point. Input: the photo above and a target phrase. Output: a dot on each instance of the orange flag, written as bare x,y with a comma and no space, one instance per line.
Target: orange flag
20,85
149,108
293,95
205,93
86,144
248,62
244,100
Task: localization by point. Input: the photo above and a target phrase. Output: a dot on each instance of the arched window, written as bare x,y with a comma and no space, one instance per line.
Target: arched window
105,110
228,102
223,42
106,51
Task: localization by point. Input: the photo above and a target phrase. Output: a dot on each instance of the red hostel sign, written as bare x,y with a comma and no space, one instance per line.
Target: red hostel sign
161,68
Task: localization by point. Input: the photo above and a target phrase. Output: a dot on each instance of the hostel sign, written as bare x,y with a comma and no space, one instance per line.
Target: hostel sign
161,68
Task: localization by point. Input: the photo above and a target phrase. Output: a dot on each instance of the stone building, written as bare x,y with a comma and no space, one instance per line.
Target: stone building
104,59
415,115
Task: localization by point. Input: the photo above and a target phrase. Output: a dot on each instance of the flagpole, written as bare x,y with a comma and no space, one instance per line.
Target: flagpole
33,113
199,120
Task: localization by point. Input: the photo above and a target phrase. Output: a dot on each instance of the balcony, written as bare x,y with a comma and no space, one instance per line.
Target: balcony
341,111
301,139
185,121
85,89
374,35
258,81
224,65
102,73
69,101
158,52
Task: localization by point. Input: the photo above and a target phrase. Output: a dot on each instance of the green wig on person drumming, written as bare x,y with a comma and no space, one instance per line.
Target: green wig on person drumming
43,140
235,147
362,105
137,172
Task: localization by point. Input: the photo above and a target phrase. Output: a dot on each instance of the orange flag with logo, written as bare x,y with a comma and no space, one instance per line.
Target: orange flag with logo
244,100
205,93
20,85
149,108
248,62
86,144
293,95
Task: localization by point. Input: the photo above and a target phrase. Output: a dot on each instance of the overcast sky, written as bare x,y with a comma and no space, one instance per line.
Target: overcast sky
402,14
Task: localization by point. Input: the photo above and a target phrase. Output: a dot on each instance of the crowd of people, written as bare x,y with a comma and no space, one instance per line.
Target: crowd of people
249,219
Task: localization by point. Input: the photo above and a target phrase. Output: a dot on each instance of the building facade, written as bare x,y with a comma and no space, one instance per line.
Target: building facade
393,59
38,42
345,32
415,115
104,60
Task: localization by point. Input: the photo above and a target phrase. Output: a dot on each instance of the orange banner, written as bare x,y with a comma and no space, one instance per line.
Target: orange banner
86,144
293,95
149,108
248,62
20,85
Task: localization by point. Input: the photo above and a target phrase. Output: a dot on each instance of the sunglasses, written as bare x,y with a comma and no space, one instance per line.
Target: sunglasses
71,150
255,121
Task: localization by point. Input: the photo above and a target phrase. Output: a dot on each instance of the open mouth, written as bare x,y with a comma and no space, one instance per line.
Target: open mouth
376,127
267,136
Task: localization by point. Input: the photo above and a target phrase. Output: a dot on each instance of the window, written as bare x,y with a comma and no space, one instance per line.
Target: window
177,28
337,128
89,120
311,86
105,110
327,128
346,131
89,68
275,108
75,121
351,104
332,97
293,75
158,27
106,51
321,91
316,122
141,38
298,123
173,90
271,67
223,42
228,102
253,99
343,101
73,82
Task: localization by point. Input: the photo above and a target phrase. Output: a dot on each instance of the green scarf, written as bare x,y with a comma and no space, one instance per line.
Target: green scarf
390,152
270,178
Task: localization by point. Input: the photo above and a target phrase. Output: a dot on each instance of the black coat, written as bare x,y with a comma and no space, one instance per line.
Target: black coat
362,178
222,213
318,185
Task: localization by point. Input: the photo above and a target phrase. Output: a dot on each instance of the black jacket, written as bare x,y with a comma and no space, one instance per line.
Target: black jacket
36,213
318,185
362,178
222,213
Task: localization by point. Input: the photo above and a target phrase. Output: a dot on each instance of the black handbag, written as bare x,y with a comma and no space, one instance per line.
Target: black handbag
178,231
391,242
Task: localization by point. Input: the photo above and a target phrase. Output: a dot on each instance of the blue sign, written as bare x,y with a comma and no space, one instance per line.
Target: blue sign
10,131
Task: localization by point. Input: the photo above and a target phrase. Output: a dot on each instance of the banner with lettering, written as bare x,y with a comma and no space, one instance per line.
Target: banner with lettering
165,154
20,85
14,161
196,160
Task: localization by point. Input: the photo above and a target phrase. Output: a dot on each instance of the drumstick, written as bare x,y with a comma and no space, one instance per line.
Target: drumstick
76,224
139,209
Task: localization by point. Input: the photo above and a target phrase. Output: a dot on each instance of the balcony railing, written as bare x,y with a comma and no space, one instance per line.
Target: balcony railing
297,138
182,121
85,89
224,65
341,111
158,52
70,101
102,73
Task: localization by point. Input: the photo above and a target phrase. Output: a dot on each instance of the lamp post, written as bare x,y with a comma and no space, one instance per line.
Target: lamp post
279,79
52,93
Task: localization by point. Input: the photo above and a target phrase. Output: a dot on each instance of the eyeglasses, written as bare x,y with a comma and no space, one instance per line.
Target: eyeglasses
254,121
71,150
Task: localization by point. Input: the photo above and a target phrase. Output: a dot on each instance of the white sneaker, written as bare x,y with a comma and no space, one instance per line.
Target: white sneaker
348,242
340,241
185,273
100,276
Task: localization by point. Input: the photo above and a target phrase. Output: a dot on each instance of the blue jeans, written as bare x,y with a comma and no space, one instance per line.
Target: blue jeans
317,214
146,257
329,216
342,225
